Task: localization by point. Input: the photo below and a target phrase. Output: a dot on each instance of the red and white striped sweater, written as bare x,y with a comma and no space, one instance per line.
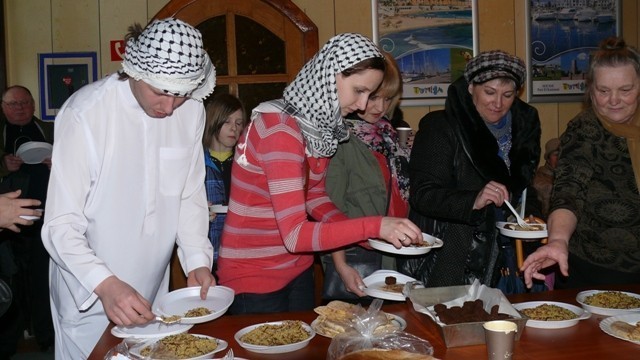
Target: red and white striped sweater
267,239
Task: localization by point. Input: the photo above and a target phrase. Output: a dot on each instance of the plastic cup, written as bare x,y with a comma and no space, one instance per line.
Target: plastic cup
500,336
403,135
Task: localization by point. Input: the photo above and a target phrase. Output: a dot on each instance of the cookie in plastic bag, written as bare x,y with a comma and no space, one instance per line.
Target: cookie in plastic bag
361,342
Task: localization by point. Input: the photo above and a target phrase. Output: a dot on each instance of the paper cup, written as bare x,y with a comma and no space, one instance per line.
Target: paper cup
500,336
403,135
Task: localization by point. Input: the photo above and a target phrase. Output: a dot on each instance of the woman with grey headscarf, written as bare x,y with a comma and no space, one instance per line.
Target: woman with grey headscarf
278,179
466,160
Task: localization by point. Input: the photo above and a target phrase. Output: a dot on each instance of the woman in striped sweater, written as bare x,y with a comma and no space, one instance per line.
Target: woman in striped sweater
277,183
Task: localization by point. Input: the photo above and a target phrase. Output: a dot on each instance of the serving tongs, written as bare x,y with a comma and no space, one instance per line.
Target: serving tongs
519,219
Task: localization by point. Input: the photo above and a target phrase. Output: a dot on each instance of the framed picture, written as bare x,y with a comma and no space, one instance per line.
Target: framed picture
431,42
61,74
562,35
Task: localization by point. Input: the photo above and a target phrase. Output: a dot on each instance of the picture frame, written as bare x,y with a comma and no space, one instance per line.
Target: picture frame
561,40
60,75
431,44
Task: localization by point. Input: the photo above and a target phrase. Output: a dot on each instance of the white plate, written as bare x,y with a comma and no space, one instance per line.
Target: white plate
559,324
34,152
521,234
273,349
178,302
149,331
433,242
30,217
136,349
375,282
218,209
580,298
396,320
631,319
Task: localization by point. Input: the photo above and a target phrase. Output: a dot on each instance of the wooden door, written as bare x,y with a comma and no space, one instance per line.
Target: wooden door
257,46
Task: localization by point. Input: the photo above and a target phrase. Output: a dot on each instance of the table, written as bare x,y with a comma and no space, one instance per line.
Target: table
583,341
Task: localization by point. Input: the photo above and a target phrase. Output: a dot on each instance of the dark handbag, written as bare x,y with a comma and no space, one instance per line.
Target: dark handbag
14,181
420,267
363,260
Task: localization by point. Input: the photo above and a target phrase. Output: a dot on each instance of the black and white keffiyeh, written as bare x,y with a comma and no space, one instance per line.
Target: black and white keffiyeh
169,56
312,97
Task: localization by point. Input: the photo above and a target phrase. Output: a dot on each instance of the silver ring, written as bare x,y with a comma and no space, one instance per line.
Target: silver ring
496,189
405,237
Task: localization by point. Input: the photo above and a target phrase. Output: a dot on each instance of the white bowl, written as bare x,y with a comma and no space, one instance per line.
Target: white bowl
178,302
279,349
137,349
558,324
580,298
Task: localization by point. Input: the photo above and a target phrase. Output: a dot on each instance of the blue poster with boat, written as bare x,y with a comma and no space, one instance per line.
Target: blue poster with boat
430,40
563,33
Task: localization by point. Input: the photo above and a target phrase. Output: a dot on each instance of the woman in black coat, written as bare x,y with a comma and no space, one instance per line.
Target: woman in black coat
483,148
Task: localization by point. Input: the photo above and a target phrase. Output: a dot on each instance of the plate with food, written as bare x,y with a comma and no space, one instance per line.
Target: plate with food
187,305
511,229
386,284
551,314
275,337
338,316
625,327
430,242
180,346
149,330
608,302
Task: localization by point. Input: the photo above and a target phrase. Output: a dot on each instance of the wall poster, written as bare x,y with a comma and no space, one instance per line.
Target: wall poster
562,34
431,40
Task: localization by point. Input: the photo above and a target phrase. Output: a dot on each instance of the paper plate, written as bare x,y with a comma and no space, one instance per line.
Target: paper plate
631,319
375,285
150,330
137,349
279,349
431,242
178,302
219,209
582,296
521,234
558,324
30,217
34,152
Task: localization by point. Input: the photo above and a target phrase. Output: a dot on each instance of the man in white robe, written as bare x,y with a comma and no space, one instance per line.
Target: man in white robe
127,184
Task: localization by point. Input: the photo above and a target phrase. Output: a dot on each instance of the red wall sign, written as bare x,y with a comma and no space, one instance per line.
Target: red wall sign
117,50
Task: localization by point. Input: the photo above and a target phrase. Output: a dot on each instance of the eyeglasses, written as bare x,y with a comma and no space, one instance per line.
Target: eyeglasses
17,104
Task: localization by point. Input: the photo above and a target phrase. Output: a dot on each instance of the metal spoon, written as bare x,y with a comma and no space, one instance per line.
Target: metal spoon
169,319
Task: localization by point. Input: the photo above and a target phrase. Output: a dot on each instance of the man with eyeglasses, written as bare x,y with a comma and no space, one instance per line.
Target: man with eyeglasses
31,260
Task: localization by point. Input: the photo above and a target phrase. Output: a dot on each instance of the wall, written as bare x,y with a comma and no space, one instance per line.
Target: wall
44,26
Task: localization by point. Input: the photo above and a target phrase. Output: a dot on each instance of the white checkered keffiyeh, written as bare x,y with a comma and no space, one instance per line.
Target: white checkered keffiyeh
312,97
169,56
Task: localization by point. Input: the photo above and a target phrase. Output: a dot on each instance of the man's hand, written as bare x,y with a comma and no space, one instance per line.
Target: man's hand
122,303
201,277
11,208
12,162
